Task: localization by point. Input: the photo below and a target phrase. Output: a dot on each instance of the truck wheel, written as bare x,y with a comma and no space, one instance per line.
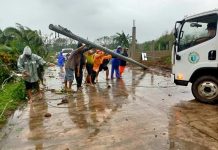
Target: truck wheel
205,89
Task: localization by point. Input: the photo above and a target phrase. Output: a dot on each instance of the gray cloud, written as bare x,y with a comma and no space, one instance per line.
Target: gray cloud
97,18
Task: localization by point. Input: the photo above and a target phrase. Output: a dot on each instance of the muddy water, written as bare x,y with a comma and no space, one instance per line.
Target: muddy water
144,110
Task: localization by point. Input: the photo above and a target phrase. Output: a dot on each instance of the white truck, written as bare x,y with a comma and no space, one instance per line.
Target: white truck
194,55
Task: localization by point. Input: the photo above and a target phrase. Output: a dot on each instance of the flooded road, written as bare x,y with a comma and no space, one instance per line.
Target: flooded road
144,110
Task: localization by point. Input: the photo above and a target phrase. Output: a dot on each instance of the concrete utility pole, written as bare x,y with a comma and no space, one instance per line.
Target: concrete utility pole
133,44
68,33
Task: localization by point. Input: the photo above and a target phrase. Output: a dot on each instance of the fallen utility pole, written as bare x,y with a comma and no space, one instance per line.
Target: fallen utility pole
68,33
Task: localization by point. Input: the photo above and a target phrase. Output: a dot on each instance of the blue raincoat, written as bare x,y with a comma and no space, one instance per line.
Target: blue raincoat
61,59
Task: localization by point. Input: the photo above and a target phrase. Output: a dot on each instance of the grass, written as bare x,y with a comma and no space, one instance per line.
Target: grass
10,98
166,61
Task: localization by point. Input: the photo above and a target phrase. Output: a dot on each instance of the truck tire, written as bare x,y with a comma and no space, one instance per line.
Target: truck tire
205,89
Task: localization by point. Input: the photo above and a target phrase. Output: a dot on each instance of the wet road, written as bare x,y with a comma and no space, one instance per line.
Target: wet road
144,110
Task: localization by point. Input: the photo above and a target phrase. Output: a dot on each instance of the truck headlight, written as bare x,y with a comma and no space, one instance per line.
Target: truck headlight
180,76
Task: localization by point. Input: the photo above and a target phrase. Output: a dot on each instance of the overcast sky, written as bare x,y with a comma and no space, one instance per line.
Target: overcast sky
97,18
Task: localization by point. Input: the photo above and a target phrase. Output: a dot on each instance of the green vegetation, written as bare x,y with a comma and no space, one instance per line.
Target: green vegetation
162,43
119,39
166,59
122,39
51,57
165,62
59,43
17,38
12,42
4,72
10,98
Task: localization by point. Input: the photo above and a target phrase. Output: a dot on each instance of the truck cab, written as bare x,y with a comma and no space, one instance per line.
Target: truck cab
194,55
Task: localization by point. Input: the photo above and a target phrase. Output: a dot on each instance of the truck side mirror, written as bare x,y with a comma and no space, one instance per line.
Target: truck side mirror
195,24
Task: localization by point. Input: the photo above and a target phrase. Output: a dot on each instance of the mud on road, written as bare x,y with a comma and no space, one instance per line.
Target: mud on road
144,110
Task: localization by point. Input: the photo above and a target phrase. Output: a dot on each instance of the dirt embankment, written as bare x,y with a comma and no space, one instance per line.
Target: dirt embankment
159,59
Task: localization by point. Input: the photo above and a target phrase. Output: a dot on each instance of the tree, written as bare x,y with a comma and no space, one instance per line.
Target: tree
122,39
164,42
104,41
60,43
4,39
19,37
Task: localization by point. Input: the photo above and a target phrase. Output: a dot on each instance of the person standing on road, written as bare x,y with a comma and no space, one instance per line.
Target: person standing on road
115,63
79,65
27,64
123,62
89,65
73,64
61,61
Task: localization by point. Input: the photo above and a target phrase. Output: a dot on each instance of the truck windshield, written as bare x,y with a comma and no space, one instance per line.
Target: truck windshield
196,31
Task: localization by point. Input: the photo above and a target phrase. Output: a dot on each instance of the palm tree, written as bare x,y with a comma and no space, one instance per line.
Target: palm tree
122,39
4,38
22,36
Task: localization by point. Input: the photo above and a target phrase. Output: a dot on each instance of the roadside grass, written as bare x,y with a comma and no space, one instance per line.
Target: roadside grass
11,97
166,61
